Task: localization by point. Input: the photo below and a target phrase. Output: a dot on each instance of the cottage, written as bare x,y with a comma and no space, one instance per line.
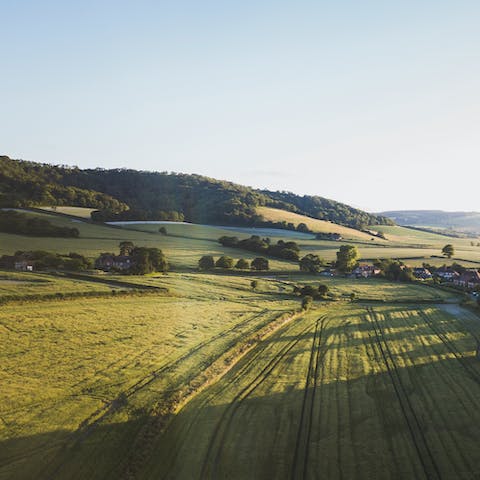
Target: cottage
328,272
23,265
447,273
109,261
365,271
422,273
469,279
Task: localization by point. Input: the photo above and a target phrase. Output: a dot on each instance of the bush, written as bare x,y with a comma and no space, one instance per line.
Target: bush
224,262
307,302
260,263
242,264
206,263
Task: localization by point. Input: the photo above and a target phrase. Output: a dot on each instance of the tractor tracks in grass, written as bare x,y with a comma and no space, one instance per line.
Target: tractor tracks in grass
415,428
302,444
97,416
469,369
215,448
224,362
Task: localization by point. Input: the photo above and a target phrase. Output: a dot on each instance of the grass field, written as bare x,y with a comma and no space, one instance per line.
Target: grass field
186,243
29,283
317,226
210,382
353,392
81,212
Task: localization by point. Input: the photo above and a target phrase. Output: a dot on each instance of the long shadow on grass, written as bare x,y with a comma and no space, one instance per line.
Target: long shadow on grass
422,422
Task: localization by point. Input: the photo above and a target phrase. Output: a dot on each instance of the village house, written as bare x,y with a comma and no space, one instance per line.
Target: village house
469,279
365,271
447,273
422,273
328,272
109,261
24,265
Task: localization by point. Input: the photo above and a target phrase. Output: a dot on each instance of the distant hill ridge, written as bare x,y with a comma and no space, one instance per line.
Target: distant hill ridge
128,194
436,218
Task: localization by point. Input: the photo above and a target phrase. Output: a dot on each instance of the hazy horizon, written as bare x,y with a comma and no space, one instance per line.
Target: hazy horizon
370,104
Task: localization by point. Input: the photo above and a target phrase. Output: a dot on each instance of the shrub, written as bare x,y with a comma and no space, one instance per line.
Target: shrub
307,302
260,263
242,264
207,262
224,262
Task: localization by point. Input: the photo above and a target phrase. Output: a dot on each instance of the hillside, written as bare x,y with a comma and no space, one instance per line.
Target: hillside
122,194
463,221
315,225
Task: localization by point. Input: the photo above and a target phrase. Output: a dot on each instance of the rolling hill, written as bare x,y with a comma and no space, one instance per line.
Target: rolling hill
461,221
122,194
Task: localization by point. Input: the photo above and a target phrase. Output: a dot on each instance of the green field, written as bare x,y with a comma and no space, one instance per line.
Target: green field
210,382
212,379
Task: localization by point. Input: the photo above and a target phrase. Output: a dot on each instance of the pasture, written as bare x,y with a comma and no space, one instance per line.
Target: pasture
216,380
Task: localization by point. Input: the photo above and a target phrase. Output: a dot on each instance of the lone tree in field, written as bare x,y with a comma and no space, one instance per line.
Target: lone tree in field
162,230
260,263
307,302
311,263
254,284
448,250
224,262
323,290
347,258
206,263
126,247
242,264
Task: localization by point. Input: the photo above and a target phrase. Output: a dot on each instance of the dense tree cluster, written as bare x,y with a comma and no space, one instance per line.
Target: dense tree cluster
27,184
394,270
347,258
147,260
42,260
161,196
22,224
311,263
281,249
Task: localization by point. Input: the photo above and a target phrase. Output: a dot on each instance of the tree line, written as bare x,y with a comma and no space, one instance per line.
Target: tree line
151,195
281,249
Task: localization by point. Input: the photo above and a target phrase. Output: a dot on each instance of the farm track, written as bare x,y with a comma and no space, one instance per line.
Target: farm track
212,457
299,467
425,456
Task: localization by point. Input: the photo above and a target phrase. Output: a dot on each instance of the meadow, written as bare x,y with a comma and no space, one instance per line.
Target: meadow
211,378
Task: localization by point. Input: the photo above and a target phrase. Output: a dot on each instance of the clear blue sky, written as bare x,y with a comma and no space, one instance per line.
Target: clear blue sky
374,103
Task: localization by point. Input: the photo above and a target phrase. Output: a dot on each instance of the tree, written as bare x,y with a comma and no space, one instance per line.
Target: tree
311,263
260,263
206,263
224,262
323,290
308,291
242,264
254,284
307,302
448,250
347,258
302,227
162,230
126,247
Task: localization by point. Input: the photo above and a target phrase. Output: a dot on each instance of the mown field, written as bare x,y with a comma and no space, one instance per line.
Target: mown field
349,392
215,380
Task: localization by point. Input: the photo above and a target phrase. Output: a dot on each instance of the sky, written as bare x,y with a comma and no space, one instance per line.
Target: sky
372,103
